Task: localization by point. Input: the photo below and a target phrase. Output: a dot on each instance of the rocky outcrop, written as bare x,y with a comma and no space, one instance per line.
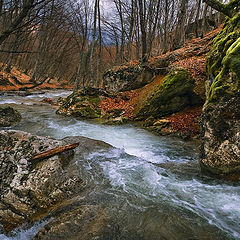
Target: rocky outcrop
83,104
173,95
86,104
220,155
125,78
9,116
50,188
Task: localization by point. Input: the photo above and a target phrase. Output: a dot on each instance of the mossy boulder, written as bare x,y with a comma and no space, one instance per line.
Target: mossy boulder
223,63
83,104
173,95
125,78
221,114
9,116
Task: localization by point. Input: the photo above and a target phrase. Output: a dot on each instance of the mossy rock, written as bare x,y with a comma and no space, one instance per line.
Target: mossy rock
78,104
221,113
9,116
223,63
115,121
125,78
173,95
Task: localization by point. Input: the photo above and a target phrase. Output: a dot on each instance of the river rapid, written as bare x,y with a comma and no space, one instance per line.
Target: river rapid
151,186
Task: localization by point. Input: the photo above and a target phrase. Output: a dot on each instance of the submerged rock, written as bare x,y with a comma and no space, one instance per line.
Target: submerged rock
83,223
9,116
50,188
220,155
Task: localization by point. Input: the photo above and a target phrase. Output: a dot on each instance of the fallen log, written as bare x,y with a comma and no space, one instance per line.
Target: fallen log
52,152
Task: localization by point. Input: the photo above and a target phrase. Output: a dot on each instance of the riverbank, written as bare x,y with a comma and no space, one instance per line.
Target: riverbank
143,185
164,96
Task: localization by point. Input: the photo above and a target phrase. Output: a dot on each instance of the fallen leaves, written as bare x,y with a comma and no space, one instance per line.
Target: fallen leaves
121,101
186,121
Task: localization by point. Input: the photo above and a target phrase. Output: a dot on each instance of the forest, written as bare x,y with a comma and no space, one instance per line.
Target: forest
77,41
119,119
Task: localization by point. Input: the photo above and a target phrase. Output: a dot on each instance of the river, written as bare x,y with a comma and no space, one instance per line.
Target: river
150,185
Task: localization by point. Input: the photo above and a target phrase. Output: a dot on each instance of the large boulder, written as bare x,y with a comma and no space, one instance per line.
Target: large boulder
174,94
49,188
125,78
220,152
9,116
83,103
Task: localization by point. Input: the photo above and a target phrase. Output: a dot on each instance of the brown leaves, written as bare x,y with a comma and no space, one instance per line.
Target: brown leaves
195,65
122,101
186,121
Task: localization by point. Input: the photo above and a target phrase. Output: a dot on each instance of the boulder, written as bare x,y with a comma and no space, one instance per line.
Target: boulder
31,191
82,103
125,78
173,95
220,151
9,116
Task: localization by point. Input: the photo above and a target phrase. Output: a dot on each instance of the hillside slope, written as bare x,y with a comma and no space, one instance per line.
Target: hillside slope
16,80
173,83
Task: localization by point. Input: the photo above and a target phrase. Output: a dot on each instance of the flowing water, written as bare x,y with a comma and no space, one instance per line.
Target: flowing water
150,185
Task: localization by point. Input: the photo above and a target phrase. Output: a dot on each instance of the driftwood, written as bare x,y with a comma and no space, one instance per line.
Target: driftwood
52,152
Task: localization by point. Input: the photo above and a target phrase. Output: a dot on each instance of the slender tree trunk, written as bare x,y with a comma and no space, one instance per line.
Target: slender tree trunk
93,44
179,37
196,24
27,6
99,46
143,31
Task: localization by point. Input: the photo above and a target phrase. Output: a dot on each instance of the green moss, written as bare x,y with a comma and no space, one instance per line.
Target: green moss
85,112
78,104
223,63
94,100
176,77
173,95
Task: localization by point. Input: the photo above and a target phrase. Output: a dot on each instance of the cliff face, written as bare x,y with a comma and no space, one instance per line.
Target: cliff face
220,153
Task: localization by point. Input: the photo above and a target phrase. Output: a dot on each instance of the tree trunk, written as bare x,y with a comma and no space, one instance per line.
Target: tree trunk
93,44
143,31
226,9
27,6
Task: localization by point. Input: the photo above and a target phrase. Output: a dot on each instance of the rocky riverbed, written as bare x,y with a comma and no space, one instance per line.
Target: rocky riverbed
34,190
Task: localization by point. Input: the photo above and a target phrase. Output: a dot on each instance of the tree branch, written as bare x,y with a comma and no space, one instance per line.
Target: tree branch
28,5
53,152
220,7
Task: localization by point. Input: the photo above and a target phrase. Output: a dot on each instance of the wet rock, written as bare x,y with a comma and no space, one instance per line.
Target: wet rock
50,188
114,113
84,222
221,114
114,117
82,103
116,121
221,139
9,116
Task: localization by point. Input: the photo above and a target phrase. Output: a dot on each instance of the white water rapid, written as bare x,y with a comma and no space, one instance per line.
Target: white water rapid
151,185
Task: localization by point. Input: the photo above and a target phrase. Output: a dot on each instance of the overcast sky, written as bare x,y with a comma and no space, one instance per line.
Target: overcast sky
107,6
